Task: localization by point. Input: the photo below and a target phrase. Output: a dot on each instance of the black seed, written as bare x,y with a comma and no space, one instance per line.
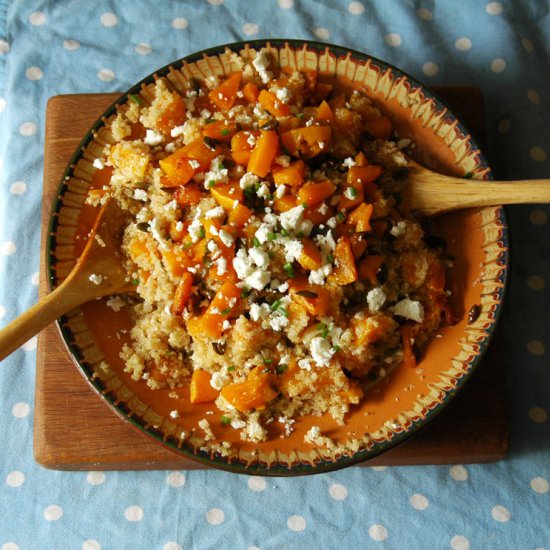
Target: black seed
143,226
210,143
307,294
219,347
435,243
473,313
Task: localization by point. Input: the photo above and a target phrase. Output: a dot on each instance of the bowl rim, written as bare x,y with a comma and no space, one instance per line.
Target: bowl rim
234,464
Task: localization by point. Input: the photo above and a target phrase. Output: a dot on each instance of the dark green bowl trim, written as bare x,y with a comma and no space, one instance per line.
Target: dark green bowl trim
233,464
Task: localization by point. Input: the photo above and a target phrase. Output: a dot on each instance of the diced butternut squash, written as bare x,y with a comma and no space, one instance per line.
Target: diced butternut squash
284,203
310,258
200,389
251,92
307,142
369,266
173,115
364,174
345,271
409,358
272,104
137,248
175,260
187,195
252,394
314,193
361,216
220,130
227,194
314,298
242,144
224,95
264,152
239,215
131,159
183,291
292,175
368,330
358,245
361,159
324,112
351,196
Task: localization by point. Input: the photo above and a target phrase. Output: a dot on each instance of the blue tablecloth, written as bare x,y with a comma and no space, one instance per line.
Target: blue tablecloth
73,46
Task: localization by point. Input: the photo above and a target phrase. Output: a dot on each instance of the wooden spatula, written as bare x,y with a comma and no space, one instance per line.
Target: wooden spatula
98,272
432,193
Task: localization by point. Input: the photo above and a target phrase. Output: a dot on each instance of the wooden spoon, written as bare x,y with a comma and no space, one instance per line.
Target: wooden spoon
98,272
432,193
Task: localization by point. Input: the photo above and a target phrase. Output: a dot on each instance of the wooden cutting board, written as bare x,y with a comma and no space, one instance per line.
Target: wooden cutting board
75,430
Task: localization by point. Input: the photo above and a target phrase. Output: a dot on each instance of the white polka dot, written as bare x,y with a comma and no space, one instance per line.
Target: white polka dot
498,65
253,548
37,18
460,542
35,279
15,479
285,4
20,410
10,546
418,501
458,473
535,347
494,8
95,478
2,104
321,33
18,188
2,311
356,8
538,217
172,546
179,23
338,491
71,44
30,345
424,13
463,44
504,125
527,45
4,47
379,468
430,68
500,513
53,512
106,75
250,28
8,248
28,129
296,523
533,96
538,415
540,485
393,39
143,48
215,516
175,479
535,282
133,513
256,483
108,19
215,2
378,532
91,544
537,153
34,73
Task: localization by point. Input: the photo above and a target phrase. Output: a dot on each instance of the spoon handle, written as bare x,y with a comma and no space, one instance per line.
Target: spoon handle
31,322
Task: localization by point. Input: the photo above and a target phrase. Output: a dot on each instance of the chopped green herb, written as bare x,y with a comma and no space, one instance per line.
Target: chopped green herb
225,132
284,233
202,233
226,311
188,246
281,369
135,281
305,205
256,242
330,258
282,311
268,360
300,234
225,420
352,191
271,236
245,292
135,98
211,183
336,347
274,306
289,269
341,216
231,368
323,330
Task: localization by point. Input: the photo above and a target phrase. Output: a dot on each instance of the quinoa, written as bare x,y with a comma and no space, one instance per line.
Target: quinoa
278,272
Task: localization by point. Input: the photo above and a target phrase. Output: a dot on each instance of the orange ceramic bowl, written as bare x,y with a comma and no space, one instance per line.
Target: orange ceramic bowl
396,407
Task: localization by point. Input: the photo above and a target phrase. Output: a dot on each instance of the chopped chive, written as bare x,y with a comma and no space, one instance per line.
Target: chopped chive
135,281
282,311
281,369
352,191
202,233
226,311
231,368
300,115
188,246
323,329
268,360
341,216
256,242
305,205
225,132
289,269
336,347
284,233
225,420
330,258
271,236
135,98
211,183
300,234
275,305
245,292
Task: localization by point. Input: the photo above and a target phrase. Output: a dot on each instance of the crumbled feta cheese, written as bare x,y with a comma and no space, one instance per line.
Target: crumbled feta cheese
410,309
226,237
293,250
177,131
221,266
116,303
376,299
98,164
174,414
278,322
248,180
305,363
291,219
237,423
280,191
332,222
283,160
152,138
218,380
205,426
399,229
321,351
261,63
259,257
213,248
170,147
323,209
195,164
242,264
349,162
318,276
195,230
96,279
251,140
283,287
140,195
171,206
284,95
350,193
216,212
263,191
155,225
258,279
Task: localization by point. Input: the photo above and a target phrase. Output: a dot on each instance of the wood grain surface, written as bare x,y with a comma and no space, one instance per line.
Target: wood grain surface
75,430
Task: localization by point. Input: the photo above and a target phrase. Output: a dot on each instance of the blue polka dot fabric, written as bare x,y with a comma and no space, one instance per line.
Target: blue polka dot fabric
69,46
